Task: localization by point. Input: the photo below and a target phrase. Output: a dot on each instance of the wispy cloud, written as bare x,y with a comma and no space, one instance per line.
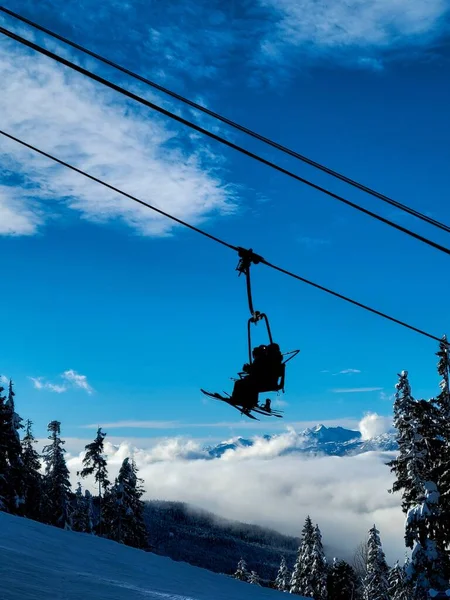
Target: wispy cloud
348,371
4,379
353,31
45,385
71,378
355,390
77,380
86,125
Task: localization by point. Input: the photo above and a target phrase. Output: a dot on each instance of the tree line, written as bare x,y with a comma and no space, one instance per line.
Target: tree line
37,486
422,477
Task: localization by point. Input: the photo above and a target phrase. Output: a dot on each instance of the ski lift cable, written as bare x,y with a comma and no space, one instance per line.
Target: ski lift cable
254,258
218,138
231,123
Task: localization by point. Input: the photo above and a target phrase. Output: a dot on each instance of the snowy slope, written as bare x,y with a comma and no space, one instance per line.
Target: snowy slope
38,562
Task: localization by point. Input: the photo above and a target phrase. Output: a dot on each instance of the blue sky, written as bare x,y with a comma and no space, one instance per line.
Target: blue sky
111,314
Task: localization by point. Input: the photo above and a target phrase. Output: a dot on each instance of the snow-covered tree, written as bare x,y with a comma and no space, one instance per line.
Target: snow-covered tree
429,567
404,409
32,477
399,588
56,482
94,463
376,586
124,511
300,579
443,476
443,399
241,572
283,577
319,568
82,513
342,581
14,454
4,467
253,578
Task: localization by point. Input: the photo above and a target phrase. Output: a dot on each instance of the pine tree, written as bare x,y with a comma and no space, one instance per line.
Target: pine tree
124,510
56,483
300,583
14,454
342,582
375,583
32,477
253,578
443,407
398,585
282,579
404,408
4,466
429,566
319,568
443,399
82,513
94,463
241,572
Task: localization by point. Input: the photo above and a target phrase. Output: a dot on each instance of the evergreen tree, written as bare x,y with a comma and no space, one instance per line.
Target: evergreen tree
124,511
4,466
443,476
253,578
375,583
443,399
399,588
14,455
429,566
56,483
300,583
342,582
32,478
404,408
241,572
319,569
94,463
82,513
282,579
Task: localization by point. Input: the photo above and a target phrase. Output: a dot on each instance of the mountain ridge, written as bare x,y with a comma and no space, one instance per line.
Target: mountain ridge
317,440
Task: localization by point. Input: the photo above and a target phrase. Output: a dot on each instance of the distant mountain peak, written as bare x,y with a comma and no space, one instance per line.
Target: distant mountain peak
332,441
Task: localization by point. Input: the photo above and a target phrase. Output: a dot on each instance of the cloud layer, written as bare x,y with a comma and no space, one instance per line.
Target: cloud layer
86,125
356,29
258,485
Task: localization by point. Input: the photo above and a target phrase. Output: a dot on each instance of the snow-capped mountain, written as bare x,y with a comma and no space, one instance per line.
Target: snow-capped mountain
330,441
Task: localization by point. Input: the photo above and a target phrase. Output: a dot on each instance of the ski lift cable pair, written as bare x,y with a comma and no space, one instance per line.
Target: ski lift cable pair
230,122
216,137
249,256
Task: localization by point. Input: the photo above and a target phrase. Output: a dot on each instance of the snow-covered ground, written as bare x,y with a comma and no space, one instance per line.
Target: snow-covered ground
38,562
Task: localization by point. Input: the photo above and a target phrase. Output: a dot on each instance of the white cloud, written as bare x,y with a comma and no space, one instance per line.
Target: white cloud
71,378
349,371
356,22
257,485
89,126
364,27
355,390
18,215
43,385
373,424
4,379
77,380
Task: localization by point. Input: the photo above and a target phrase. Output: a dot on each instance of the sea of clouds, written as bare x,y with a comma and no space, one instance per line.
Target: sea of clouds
344,495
